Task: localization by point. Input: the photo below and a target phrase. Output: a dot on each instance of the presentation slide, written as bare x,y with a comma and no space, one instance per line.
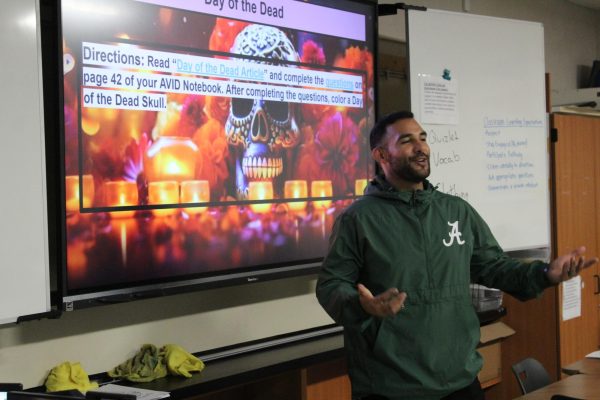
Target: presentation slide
210,136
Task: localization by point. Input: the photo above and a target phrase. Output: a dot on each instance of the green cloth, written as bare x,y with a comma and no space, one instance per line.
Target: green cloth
151,363
69,376
147,365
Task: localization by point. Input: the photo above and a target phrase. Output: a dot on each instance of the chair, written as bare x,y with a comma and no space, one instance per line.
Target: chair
530,374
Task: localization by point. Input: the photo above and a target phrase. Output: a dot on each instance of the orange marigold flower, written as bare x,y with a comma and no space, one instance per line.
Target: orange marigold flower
167,121
192,115
218,108
362,60
306,164
313,113
337,151
213,153
224,34
355,58
312,53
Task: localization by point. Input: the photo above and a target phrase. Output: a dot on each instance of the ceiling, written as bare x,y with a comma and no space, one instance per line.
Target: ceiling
595,4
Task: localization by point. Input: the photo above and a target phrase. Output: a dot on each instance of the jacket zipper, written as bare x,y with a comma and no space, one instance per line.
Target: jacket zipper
413,205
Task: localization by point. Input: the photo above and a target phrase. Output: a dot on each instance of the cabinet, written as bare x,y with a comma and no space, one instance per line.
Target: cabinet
313,369
576,173
324,381
534,322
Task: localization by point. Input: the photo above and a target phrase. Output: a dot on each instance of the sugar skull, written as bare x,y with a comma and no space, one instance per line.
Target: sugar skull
261,132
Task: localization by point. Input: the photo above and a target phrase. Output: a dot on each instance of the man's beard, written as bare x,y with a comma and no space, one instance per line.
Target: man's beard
406,170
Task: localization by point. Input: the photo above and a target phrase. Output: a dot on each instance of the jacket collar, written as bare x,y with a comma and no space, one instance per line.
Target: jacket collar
380,187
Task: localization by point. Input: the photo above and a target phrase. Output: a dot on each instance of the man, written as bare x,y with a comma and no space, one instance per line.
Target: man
397,276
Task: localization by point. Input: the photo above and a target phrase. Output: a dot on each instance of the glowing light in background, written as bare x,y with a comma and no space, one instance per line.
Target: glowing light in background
260,191
321,189
171,158
296,189
166,192
119,194
195,192
72,192
359,186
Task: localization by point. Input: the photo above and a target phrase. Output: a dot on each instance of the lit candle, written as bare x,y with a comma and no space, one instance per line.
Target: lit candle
72,192
195,192
359,186
165,192
171,158
321,189
119,194
260,191
296,190
122,228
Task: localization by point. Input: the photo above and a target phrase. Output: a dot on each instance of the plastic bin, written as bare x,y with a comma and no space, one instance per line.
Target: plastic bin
485,299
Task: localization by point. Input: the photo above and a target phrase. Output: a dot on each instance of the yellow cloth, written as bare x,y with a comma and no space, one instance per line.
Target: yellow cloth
180,362
145,366
69,376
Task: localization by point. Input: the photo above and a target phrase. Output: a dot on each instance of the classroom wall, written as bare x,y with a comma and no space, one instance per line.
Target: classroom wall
103,337
571,32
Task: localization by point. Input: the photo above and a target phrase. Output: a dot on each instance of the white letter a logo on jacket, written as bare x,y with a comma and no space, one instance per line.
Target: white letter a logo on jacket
454,234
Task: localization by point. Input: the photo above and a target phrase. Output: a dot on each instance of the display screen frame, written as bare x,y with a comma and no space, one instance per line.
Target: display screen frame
86,296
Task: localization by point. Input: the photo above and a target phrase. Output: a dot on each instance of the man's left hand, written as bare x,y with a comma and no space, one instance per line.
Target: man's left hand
568,266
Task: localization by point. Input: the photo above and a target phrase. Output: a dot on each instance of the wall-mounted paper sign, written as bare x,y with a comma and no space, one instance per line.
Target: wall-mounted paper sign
439,100
571,298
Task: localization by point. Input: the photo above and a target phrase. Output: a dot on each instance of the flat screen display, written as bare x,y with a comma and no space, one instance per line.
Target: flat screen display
209,138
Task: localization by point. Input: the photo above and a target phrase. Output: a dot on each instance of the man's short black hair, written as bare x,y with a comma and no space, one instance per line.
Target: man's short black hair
380,127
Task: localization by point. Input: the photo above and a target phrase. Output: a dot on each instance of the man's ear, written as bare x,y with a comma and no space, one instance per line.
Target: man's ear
378,154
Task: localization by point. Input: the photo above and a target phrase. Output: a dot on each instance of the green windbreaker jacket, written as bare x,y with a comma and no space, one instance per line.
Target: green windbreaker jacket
430,245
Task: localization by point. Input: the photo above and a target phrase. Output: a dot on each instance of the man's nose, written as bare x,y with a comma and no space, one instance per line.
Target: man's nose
420,146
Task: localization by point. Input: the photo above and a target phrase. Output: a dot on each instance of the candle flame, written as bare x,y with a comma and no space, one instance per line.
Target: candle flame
164,192
260,191
296,189
118,194
321,189
173,167
73,189
195,192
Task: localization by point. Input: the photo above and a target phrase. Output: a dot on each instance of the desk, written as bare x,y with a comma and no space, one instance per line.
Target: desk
589,366
308,369
225,373
580,386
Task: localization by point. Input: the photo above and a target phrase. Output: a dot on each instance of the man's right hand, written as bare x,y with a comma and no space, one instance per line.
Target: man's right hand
386,304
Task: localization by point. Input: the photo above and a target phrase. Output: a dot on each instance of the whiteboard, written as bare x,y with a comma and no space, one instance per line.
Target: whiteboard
24,270
477,86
